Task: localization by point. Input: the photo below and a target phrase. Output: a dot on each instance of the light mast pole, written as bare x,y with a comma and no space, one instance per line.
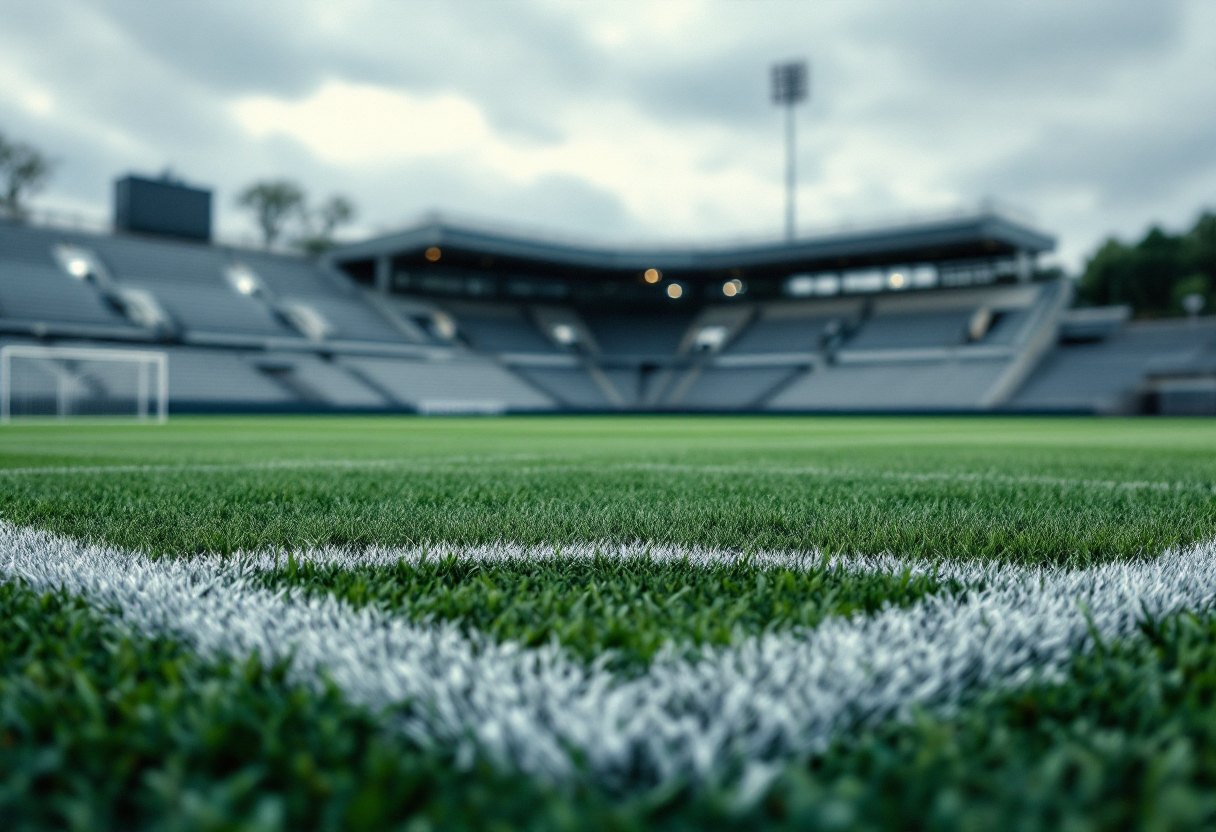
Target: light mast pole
791,82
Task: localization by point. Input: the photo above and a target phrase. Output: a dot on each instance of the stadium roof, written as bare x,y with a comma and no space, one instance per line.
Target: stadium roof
979,235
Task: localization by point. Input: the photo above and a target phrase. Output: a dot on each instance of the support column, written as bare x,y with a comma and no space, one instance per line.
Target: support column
384,274
1025,266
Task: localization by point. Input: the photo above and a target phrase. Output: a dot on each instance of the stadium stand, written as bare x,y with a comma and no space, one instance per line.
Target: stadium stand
1140,366
570,387
458,385
452,319
735,388
638,332
38,292
931,386
496,328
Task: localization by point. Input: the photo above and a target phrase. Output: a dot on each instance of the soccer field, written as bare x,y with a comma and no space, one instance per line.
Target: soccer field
598,622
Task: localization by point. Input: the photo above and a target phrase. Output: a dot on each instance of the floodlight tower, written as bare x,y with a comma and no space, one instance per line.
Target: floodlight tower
791,83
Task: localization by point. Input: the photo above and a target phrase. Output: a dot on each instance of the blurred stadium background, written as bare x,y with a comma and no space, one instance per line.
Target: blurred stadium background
945,314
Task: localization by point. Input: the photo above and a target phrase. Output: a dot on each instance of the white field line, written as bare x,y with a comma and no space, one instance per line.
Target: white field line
729,710
272,465
699,556
425,463
914,476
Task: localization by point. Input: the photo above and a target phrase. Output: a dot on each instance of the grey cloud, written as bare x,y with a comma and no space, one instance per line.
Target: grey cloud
1001,46
895,78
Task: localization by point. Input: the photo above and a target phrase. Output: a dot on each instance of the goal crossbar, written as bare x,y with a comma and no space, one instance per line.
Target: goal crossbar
143,358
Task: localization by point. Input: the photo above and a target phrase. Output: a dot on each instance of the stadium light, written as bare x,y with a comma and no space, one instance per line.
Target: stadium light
791,86
443,325
711,338
244,281
1193,304
565,335
76,261
733,287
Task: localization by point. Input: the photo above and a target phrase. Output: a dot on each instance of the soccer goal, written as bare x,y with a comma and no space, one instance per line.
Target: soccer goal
67,382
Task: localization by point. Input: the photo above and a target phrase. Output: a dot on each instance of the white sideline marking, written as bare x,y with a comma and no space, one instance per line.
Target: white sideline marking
423,463
729,711
914,476
272,465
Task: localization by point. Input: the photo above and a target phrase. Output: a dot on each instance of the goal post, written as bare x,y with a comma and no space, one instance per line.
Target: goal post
83,381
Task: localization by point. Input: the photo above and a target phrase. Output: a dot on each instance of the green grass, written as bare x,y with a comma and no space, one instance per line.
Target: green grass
1025,490
631,607
101,730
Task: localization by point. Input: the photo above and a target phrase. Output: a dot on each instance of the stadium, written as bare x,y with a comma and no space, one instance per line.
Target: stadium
944,315
578,600
449,525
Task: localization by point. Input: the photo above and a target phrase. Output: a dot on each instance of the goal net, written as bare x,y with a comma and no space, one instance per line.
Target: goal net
68,382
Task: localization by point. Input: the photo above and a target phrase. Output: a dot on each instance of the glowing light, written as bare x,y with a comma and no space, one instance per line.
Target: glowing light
652,275
711,338
564,334
443,325
433,254
896,280
244,281
79,263
728,289
800,285
675,290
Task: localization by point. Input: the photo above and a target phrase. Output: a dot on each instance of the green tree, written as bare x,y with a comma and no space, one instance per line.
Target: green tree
1154,274
24,170
273,202
1199,246
1196,284
321,223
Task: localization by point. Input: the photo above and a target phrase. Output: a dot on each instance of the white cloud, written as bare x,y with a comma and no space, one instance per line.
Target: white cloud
662,173
360,124
554,114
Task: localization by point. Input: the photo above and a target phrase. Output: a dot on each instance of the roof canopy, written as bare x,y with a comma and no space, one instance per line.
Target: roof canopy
983,235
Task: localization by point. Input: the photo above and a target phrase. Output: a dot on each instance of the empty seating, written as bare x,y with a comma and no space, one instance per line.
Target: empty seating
503,329
35,292
215,379
1007,328
23,244
296,276
640,332
1104,375
158,262
947,328
569,386
733,388
630,383
351,318
214,308
777,335
934,385
316,380
433,384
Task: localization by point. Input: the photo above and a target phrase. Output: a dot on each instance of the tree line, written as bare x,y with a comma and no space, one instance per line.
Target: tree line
1156,275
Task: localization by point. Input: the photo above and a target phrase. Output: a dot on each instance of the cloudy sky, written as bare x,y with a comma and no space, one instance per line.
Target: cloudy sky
629,121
